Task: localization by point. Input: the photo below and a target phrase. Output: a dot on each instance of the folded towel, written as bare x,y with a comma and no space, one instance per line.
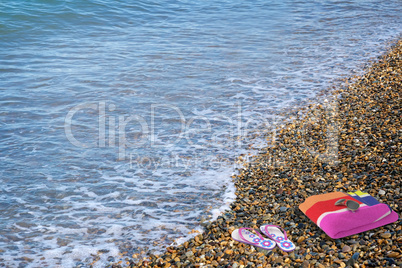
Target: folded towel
338,221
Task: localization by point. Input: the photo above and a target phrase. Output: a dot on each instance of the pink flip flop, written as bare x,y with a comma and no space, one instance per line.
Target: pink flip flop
274,232
257,240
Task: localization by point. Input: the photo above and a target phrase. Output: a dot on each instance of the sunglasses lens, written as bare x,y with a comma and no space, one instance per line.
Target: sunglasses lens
352,205
340,202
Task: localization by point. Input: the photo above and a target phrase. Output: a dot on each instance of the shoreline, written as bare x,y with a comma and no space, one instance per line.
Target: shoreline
350,141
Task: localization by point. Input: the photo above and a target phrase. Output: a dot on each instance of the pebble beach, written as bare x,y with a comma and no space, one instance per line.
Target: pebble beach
350,140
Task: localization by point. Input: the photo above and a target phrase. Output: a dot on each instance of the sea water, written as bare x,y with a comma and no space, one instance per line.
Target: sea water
121,121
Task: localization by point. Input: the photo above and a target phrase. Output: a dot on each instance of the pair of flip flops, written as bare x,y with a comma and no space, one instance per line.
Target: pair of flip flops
276,237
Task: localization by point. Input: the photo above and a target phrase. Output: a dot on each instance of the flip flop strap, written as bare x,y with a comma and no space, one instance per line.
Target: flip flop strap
242,237
276,226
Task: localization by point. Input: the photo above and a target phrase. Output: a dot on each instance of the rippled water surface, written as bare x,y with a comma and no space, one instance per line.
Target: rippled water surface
120,120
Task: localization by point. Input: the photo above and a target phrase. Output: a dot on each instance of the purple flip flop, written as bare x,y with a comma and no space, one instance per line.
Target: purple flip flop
244,236
274,232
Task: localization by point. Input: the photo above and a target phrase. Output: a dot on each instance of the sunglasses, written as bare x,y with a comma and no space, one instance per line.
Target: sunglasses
350,204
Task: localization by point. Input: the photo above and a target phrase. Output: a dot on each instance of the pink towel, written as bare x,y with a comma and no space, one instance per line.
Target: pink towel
346,223
338,221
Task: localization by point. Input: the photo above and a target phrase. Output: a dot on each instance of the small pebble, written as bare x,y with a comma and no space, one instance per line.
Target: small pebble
346,248
385,235
300,239
393,254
